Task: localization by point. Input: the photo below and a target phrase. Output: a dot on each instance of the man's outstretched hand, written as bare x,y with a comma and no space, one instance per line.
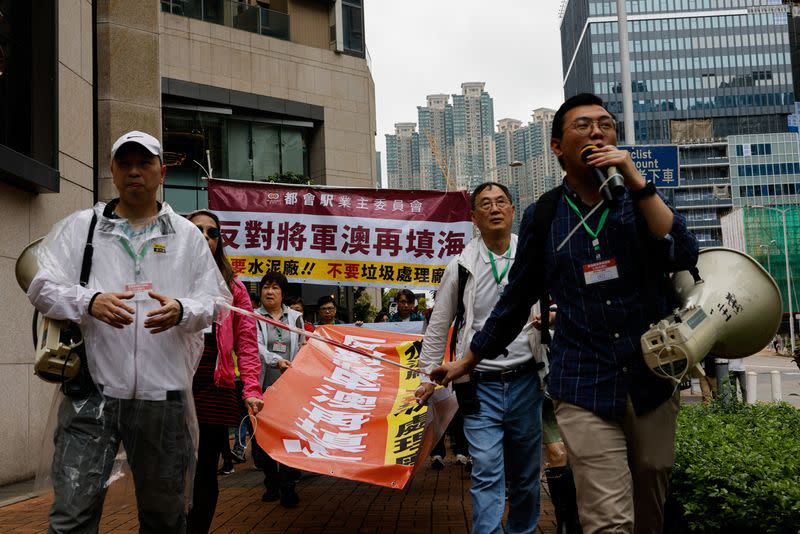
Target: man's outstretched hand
446,373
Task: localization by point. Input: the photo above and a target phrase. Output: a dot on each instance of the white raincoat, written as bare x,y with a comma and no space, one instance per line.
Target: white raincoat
169,252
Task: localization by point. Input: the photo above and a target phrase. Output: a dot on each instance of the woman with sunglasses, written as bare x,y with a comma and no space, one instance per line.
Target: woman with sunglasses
213,388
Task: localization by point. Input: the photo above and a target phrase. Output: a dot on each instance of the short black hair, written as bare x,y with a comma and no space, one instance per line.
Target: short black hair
291,300
486,185
325,299
407,293
274,277
581,99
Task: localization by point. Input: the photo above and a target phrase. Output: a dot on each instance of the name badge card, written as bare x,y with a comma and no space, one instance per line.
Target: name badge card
279,347
140,289
600,271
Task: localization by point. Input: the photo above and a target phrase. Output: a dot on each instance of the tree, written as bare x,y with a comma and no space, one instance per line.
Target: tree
290,178
362,306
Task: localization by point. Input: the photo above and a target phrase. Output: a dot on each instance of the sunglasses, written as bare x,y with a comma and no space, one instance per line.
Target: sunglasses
212,232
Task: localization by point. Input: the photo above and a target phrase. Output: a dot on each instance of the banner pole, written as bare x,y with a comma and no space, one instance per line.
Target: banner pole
357,350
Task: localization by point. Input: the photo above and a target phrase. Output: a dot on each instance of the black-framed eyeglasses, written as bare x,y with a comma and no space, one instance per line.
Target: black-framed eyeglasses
583,125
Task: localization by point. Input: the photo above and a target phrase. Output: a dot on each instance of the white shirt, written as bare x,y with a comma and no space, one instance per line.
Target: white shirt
487,293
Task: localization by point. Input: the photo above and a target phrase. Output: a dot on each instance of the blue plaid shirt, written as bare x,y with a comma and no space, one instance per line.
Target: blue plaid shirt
596,358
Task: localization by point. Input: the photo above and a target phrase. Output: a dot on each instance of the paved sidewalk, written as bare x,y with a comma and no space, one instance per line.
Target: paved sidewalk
435,501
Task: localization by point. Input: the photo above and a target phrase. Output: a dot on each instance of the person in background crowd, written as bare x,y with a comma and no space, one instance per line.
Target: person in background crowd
381,317
326,307
215,395
406,307
296,303
737,372
277,348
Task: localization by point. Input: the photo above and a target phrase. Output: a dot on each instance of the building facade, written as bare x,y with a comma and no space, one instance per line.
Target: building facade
760,233
764,169
473,136
253,91
402,157
435,141
701,71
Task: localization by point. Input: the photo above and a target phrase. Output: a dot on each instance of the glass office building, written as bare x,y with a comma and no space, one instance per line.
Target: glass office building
701,70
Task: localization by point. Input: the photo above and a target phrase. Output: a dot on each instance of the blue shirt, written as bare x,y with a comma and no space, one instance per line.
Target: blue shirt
596,358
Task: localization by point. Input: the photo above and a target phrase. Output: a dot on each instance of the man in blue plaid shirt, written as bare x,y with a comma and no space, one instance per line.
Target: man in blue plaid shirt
617,417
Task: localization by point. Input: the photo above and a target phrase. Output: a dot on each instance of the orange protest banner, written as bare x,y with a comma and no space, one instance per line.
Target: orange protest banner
339,413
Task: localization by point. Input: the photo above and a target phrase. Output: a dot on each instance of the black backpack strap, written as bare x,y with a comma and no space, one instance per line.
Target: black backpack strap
543,216
88,252
458,323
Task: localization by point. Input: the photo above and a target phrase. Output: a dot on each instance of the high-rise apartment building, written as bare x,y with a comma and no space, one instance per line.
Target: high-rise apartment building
435,141
525,163
506,155
701,71
473,136
402,157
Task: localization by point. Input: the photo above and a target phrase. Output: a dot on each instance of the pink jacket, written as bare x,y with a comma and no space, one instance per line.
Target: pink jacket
237,333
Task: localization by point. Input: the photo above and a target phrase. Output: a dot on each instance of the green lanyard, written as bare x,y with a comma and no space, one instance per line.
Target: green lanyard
137,258
595,233
278,333
499,278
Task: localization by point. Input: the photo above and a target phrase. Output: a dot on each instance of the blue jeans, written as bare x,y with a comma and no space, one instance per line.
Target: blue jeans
510,420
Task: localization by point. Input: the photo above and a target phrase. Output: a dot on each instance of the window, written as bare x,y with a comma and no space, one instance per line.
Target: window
353,26
240,148
28,95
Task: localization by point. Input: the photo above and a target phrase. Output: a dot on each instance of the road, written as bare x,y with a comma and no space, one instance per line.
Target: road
766,361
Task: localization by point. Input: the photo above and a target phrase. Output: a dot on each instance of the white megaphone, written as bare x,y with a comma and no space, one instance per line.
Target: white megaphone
55,341
732,313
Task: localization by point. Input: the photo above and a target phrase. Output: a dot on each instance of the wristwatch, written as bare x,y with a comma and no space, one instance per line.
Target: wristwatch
647,191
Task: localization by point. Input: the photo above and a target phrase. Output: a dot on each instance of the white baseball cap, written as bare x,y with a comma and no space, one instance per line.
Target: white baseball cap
150,143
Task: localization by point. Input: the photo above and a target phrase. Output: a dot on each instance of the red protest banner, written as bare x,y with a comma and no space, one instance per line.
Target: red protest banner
339,413
344,236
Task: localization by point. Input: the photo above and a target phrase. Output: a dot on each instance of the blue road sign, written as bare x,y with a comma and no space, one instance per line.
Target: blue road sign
657,163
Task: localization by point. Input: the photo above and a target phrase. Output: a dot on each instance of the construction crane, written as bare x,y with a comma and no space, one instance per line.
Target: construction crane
440,160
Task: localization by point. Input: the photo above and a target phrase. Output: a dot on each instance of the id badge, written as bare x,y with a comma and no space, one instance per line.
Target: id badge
279,347
600,271
140,289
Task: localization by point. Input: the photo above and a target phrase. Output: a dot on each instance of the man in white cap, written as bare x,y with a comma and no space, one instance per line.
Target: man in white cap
151,289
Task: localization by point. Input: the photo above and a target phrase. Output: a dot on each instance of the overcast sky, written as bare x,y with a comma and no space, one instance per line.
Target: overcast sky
421,47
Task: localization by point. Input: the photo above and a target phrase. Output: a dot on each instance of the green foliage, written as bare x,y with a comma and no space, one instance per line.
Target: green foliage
737,469
290,178
388,298
362,306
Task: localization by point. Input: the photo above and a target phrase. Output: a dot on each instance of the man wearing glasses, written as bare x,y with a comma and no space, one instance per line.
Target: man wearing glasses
326,306
609,280
501,404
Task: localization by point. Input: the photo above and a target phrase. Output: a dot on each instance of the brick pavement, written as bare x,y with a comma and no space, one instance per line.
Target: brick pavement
434,501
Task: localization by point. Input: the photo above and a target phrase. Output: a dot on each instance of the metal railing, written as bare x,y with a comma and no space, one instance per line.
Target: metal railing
234,14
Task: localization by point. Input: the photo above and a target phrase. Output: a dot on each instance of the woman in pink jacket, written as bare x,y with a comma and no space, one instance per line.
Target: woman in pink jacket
213,387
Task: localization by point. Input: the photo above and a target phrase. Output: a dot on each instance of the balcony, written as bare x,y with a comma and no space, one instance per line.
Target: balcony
234,14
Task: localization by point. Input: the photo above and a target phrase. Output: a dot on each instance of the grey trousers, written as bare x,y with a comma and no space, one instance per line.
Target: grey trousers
88,435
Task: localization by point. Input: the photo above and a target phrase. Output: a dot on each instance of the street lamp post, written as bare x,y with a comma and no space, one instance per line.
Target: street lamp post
788,270
514,164
768,248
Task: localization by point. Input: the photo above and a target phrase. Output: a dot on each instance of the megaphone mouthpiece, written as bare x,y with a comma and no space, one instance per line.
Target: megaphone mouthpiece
587,151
